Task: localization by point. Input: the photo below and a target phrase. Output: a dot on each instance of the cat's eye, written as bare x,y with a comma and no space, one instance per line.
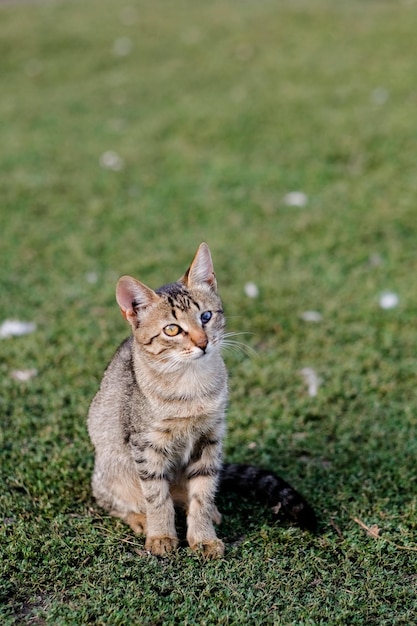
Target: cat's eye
206,316
172,329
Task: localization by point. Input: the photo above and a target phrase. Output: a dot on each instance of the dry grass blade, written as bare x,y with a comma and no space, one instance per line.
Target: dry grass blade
374,532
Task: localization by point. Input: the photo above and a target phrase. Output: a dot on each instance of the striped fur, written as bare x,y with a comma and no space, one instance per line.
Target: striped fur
157,421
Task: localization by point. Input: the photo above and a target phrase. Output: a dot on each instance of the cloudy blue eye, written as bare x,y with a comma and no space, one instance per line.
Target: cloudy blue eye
206,316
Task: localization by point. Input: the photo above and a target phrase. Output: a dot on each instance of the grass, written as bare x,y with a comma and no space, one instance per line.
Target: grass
217,111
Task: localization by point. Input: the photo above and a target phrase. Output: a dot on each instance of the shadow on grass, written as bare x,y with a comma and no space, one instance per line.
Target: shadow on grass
241,516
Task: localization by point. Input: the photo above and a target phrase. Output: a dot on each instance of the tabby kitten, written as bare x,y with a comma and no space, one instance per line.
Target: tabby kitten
157,421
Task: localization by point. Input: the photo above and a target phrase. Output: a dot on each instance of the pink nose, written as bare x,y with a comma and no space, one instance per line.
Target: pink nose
202,344
200,340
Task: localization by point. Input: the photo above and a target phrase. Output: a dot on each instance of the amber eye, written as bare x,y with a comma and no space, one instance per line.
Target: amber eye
171,330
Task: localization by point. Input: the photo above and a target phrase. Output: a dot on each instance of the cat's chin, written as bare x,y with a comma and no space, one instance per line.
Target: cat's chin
197,356
190,359
182,363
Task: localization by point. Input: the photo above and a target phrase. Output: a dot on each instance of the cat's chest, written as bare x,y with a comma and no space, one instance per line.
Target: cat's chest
178,438
177,409
193,395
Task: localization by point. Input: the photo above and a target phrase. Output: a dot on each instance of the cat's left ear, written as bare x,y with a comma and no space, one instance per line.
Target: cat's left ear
201,270
131,295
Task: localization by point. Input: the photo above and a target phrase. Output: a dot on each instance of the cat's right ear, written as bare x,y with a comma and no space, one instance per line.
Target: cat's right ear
201,270
131,295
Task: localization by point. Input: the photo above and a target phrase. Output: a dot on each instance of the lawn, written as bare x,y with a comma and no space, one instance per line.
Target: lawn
130,133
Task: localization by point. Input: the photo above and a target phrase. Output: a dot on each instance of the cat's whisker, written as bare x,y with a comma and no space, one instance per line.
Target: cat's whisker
171,365
238,347
236,333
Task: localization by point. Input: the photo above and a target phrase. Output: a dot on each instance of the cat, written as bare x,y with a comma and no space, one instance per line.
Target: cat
158,420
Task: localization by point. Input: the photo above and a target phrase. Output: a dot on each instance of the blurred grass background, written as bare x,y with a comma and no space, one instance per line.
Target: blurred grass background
130,132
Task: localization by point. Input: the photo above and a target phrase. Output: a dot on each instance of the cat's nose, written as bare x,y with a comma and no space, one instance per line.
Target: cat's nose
200,340
202,344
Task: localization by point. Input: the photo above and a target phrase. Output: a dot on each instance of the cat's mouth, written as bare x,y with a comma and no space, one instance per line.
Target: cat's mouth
199,352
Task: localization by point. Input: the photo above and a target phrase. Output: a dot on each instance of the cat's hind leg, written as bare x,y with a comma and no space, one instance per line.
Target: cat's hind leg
120,493
137,522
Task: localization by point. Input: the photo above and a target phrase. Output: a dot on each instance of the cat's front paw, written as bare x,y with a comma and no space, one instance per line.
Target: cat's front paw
210,549
161,546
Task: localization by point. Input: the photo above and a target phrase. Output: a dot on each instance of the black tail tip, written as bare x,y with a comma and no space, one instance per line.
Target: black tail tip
302,515
308,520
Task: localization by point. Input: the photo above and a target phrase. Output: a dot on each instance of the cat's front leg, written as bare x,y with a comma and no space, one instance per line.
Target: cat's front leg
201,535
161,536
152,468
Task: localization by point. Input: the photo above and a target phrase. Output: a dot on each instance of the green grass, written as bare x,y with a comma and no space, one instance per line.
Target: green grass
218,111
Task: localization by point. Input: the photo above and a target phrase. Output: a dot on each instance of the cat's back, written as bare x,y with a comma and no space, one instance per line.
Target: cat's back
116,388
119,371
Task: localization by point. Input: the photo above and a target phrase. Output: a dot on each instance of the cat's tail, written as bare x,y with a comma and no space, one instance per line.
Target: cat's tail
270,489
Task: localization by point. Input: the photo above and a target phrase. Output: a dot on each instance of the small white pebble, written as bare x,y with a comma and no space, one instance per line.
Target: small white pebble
110,160
23,375
251,290
311,316
312,380
14,328
122,46
91,277
380,95
388,300
375,260
296,198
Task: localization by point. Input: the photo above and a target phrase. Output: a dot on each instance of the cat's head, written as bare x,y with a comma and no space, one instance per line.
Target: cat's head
178,323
